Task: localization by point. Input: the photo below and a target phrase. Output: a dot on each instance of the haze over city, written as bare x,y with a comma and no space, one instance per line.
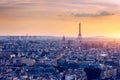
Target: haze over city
57,18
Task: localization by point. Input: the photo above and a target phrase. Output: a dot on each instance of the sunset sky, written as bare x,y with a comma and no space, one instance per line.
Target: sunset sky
60,17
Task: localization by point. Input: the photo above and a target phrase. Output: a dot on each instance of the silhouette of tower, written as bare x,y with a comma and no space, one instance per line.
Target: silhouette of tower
63,38
79,34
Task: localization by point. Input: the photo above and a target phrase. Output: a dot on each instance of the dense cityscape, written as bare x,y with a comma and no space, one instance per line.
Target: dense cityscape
31,58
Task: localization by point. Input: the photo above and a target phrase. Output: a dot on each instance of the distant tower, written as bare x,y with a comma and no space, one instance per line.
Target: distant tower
79,34
63,39
64,42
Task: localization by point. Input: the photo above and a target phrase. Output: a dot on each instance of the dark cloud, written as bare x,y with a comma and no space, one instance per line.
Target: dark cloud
28,4
103,13
95,4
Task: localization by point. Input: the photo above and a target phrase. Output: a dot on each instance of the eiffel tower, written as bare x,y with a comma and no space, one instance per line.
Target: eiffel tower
79,38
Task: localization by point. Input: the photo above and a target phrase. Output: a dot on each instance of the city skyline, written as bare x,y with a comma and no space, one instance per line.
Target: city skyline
57,18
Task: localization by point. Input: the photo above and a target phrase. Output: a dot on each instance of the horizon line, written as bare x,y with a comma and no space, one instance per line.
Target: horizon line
58,36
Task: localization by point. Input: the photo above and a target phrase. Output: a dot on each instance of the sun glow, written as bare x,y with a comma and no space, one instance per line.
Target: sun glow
117,35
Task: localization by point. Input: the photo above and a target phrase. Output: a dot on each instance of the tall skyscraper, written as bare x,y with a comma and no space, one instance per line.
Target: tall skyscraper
79,34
